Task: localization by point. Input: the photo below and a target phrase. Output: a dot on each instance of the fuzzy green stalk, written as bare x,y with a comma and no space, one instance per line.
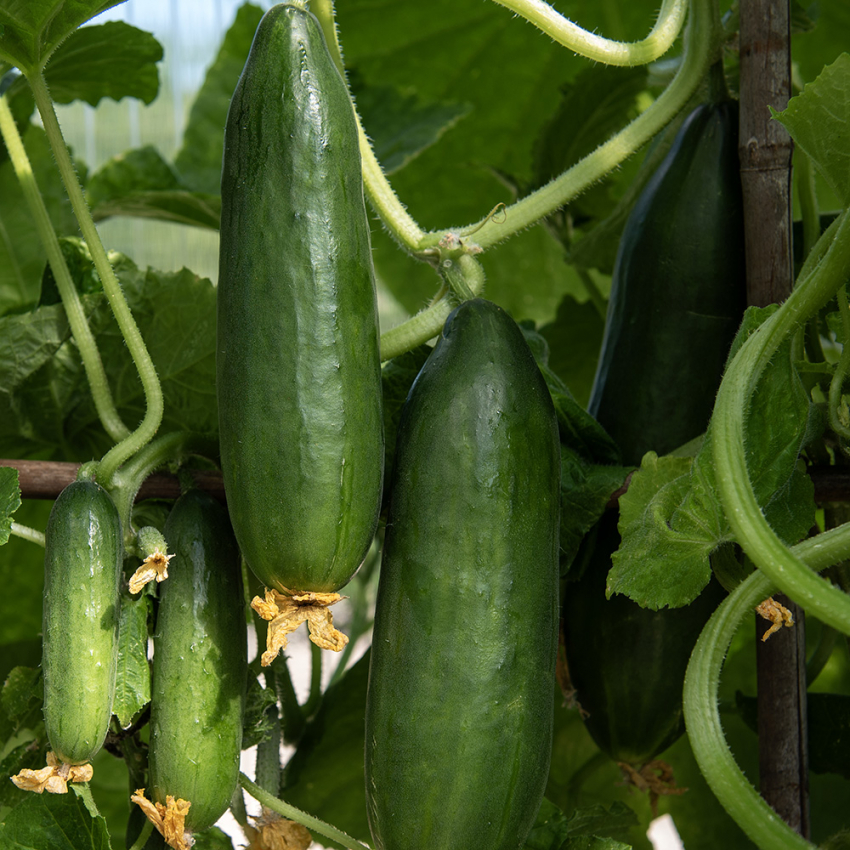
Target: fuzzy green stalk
288,811
126,323
702,718
735,491
27,533
604,50
86,344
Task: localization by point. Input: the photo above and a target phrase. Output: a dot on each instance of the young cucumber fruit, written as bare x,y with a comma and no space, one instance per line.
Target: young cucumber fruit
298,366
460,698
677,298
82,574
199,663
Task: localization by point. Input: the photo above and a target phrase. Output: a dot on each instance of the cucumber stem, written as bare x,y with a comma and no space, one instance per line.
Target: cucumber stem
735,489
702,719
701,40
667,27
27,533
288,811
837,422
315,697
129,445
92,363
144,835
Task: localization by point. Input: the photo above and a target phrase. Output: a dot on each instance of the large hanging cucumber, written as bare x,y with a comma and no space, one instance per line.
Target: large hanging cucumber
199,664
298,367
459,706
677,298
82,574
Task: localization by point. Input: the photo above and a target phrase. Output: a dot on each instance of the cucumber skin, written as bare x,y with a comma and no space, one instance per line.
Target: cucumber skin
460,700
678,292
298,364
200,663
677,299
82,575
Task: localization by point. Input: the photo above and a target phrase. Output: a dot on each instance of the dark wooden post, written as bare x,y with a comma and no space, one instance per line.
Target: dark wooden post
765,152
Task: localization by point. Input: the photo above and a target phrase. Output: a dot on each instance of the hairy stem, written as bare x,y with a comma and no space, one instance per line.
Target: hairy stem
129,330
604,50
287,811
27,533
86,344
702,718
735,490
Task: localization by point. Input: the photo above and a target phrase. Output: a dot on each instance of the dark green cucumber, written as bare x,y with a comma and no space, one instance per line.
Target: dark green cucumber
200,663
677,298
459,706
82,575
298,366
677,294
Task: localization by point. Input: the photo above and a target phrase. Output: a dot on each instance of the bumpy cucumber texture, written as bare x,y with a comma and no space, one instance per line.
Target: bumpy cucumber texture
199,663
82,574
298,367
460,699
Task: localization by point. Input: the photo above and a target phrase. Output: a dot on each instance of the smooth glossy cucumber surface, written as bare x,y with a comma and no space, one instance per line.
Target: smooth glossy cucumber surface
460,699
82,574
298,365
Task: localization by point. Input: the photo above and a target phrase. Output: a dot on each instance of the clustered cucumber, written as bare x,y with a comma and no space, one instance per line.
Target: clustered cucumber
82,574
199,664
459,706
677,298
298,365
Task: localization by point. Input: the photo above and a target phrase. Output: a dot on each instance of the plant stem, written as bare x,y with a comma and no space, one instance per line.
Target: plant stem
315,697
808,198
593,293
701,38
27,533
129,330
573,37
735,489
144,835
702,718
171,447
381,195
287,811
428,323
838,423
86,344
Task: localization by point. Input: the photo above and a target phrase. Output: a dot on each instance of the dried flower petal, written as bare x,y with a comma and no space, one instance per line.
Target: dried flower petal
155,566
654,778
272,832
54,778
169,819
287,612
778,615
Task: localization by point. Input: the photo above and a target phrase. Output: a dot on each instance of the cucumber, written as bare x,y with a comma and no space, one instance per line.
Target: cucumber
297,363
199,664
677,299
460,697
82,575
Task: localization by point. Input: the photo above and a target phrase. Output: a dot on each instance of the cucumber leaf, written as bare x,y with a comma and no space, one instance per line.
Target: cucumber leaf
112,60
141,183
818,120
133,680
31,31
10,500
58,821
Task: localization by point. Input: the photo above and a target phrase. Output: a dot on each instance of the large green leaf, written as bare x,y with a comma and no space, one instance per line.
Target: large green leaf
133,680
818,119
30,30
112,60
55,822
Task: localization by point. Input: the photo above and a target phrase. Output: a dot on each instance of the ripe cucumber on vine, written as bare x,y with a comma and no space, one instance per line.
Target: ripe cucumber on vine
454,534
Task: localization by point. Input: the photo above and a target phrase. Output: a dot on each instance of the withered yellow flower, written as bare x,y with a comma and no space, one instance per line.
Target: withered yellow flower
272,832
778,615
54,778
169,819
155,566
286,612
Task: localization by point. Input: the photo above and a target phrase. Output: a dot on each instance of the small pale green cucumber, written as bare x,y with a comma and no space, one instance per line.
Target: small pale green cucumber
82,574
